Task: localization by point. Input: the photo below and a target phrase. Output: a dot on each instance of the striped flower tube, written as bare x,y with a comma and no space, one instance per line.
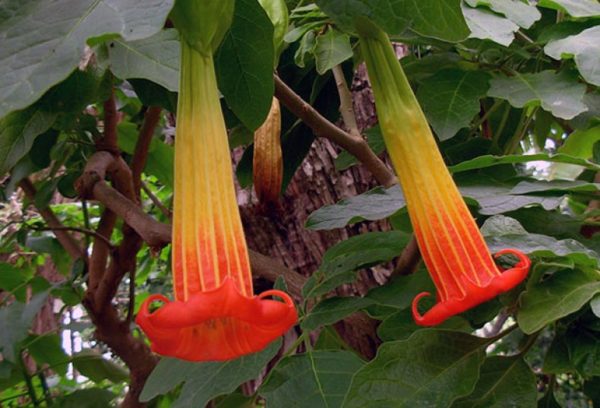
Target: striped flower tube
454,251
215,315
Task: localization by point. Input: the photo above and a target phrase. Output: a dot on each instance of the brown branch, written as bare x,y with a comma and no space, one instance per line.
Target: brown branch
346,107
69,243
138,162
356,146
111,119
409,259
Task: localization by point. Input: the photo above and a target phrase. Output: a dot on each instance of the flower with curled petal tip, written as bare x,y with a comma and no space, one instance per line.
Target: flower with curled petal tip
454,251
215,315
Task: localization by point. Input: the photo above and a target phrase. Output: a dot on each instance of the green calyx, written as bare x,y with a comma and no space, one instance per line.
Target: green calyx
203,23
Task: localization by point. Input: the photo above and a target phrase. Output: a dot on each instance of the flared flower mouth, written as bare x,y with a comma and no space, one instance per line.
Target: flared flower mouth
218,324
474,294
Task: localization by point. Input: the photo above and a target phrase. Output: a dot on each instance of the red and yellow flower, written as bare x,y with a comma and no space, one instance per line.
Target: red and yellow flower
215,315
453,249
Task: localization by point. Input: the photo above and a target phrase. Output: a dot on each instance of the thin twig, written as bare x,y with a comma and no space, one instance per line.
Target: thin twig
346,106
163,208
76,229
356,146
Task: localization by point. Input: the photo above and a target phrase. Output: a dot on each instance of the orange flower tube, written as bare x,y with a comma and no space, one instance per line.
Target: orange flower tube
215,315
453,249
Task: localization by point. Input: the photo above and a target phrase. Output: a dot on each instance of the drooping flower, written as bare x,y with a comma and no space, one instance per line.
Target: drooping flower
215,315
453,249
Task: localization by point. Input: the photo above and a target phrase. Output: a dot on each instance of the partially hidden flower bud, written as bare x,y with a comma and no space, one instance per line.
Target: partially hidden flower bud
267,166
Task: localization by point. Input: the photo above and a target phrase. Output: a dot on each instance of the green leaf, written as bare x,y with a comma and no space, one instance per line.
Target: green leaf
341,260
47,349
584,48
579,144
575,8
503,382
15,320
450,99
517,11
399,292
205,381
401,325
373,205
40,50
482,162
584,351
97,368
487,25
559,295
155,58
441,20
557,360
431,368
18,131
331,49
47,244
12,277
244,64
313,379
87,398
559,93
332,310
502,232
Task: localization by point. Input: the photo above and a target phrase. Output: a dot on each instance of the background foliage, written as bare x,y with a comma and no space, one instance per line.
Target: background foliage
510,89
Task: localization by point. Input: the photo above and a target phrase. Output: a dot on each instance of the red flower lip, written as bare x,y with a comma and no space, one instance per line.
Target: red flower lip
216,325
475,294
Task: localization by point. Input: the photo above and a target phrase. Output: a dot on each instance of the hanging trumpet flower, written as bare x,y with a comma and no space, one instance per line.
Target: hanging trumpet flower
452,247
215,315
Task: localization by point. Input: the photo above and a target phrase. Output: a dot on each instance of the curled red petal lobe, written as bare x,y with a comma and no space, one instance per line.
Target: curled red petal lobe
475,294
216,325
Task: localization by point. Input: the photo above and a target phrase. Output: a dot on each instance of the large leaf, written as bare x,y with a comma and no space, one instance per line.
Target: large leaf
43,41
429,18
431,368
482,162
86,398
341,260
204,381
559,94
585,48
485,24
15,320
575,8
155,58
450,99
313,379
47,349
503,382
331,49
559,295
401,325
373,205
332,310
517,11
493,198
245,64
579,144
502,232
18,131
97,368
